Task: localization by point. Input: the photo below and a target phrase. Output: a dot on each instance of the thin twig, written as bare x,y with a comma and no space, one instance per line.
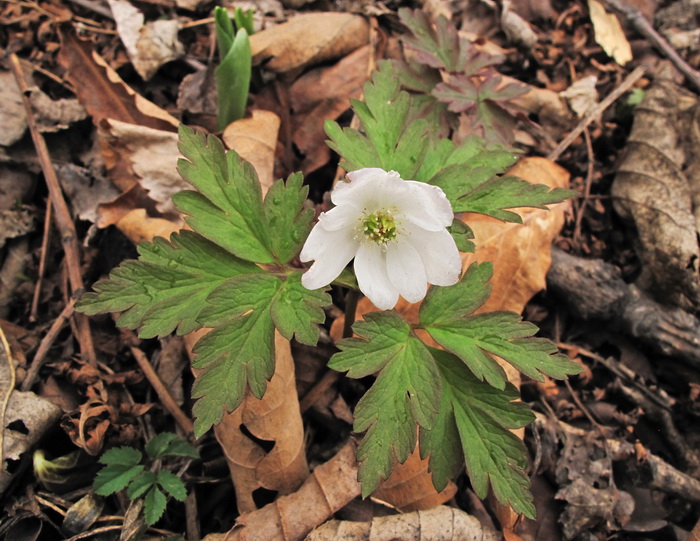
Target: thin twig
42,260
319,388
587,186
162,392
64,222
596,111
46,344
635,18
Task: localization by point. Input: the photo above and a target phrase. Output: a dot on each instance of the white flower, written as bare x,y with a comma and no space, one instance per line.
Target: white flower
396,231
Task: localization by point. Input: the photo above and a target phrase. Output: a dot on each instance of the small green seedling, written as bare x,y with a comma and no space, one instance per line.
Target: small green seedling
235,64
125,468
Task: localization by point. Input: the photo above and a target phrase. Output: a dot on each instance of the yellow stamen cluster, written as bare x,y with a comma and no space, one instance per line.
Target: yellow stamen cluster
379,227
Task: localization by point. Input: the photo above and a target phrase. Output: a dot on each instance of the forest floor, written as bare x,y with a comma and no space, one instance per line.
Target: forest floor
610,109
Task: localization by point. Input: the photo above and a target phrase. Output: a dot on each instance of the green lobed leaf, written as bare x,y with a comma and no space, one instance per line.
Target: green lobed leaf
165,289
115,477
462,235
141,484
239,352
500,193
153,506
474,424
436,45
121,456
405,394
227,209
477,338
287,220
390,140
172,484
169,444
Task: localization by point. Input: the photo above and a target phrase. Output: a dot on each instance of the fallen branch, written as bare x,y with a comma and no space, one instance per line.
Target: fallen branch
594,289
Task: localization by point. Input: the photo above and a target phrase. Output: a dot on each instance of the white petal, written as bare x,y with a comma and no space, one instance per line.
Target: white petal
370,189
406,271
370,269
331,250
427,206
340,217
439,253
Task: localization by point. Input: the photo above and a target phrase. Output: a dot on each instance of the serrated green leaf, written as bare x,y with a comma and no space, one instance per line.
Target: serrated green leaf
476,339
462,235
141,484
153,506
474,423
296,311
121,456
390,140
239,352
288,221
166,288
169,444
227,209
114,478
172,484
500,193
436,45
405,394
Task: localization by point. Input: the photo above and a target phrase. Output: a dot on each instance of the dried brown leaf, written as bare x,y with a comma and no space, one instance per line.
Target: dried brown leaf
438,524
309,39
609,34
651,192
255,140
290,518
100,89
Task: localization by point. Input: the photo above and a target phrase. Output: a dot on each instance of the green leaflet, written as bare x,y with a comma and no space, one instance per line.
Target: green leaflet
227,207
169,444
404,396
474,424
240,352
477,338
166,288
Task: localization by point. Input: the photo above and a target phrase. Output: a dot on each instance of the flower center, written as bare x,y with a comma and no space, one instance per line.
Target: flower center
379,227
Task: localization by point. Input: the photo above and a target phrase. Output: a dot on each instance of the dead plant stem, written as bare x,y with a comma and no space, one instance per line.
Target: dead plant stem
64,222
42,260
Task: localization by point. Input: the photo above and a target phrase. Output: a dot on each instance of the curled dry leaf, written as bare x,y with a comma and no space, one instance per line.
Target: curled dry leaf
255,140
139,154
290,518
274,421
100,89
438,524
651,192
149,45
309,39
84,192
138,226
12,116
410,487
36,416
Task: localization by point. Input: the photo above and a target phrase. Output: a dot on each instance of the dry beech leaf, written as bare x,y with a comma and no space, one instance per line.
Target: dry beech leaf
410,487
138,227
12,116
438,524
309,39
324,94
149,45
651,192
609,34
255,140
275,419
147,156
37,416
100,89
328,489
